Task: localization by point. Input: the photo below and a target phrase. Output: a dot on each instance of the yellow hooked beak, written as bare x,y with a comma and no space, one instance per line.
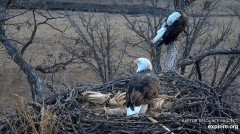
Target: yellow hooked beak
135,62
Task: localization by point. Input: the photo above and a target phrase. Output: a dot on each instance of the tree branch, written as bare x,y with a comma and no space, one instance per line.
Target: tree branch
202,55
34,80
55,68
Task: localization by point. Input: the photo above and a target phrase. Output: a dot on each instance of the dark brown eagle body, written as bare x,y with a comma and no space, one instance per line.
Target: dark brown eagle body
143,88
173,30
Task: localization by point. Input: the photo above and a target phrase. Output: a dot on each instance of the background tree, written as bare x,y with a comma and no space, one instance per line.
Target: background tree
98,44
34,80
16,47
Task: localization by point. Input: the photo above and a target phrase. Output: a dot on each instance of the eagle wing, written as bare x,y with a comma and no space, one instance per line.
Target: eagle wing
143,87
174,30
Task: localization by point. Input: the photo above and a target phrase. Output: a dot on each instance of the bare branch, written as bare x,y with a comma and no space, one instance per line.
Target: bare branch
36,25
209,52
33,33
55,68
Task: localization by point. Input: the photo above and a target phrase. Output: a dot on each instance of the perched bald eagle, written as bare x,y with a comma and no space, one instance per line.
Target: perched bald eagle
143,87
171,28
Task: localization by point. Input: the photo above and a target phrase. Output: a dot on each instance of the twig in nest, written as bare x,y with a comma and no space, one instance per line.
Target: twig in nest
152,120
164,127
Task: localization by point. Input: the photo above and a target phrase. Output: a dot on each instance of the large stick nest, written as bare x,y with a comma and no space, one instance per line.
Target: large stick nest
184,106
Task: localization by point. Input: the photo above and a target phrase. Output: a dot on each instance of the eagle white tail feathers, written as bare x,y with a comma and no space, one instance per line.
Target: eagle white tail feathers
160,33
137,110
173,17
143,109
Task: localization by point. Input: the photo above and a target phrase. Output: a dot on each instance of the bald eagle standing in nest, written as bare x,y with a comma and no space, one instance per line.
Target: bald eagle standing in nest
143,87
171,28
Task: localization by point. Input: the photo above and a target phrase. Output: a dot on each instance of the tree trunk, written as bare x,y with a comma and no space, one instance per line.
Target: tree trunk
158,68
34,80
182,4
172,56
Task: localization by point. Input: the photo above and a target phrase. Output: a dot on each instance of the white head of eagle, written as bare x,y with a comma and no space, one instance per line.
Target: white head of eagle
171,28
143,87
143,64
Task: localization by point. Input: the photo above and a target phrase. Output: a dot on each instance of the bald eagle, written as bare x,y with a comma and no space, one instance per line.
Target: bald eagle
143,87
171,28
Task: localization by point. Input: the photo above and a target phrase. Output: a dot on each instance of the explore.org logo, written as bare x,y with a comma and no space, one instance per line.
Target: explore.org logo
214,122
223,126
